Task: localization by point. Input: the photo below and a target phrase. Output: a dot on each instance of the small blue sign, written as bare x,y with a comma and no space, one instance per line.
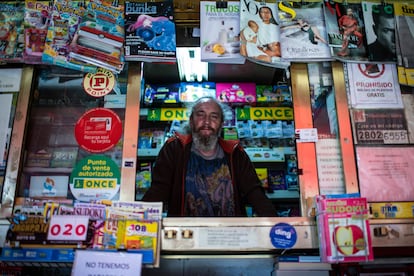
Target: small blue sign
283,235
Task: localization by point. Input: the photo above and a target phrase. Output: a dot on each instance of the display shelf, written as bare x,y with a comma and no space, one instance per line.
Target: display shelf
34,256
283,194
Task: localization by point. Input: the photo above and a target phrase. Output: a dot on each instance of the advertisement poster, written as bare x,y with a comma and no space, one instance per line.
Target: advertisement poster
374,86
95,177
379,126
98,130
385,173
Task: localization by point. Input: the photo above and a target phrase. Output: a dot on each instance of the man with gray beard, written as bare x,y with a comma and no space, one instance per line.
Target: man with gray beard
201,175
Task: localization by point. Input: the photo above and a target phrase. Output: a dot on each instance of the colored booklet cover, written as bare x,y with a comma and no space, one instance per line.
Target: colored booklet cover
150,31
192,91
344,229
243,92
11,31
65,20
303,33
260,33
346,31
219,32
379,23
405,29
373,85
99,39
36,23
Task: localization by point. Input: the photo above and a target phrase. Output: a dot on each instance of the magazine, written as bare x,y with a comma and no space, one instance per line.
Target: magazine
344,229
373,86
36,22
99,39
11,31
150,31
219,33
346,31
65,20
260,33
302,32
405,30
379,23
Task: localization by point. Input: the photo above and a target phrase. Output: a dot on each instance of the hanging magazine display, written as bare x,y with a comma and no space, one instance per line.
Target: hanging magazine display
65,20
219,33
260,32
404,19
99,39
380,30
150,31
302,31
346,31
11,31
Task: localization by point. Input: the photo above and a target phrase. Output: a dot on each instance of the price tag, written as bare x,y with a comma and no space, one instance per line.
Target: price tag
70,228
305,135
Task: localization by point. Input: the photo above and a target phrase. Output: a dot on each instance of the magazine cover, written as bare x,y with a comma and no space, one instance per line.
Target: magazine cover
405,30
402,78
36,22
344,229
346,31
219,33
150,31
11,31
65,19
260,32
379,23
99,39
303,34
373,86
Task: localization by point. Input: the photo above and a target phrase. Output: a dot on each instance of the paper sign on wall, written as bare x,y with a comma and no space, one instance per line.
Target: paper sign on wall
106,263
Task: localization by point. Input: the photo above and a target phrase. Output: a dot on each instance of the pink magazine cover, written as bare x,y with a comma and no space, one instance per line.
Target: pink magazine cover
236,92
344,230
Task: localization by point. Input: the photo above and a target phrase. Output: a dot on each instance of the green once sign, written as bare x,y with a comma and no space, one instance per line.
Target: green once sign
95,177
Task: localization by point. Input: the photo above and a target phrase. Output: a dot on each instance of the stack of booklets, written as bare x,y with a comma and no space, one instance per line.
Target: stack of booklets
343,228
85,35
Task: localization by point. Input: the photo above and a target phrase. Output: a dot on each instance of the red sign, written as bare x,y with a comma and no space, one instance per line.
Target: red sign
98,130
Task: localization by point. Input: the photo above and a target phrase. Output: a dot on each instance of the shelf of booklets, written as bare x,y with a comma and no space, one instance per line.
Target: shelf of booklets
128,227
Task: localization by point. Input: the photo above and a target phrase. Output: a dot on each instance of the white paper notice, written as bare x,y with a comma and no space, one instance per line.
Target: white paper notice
5,109
88,262
10,80
229,237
